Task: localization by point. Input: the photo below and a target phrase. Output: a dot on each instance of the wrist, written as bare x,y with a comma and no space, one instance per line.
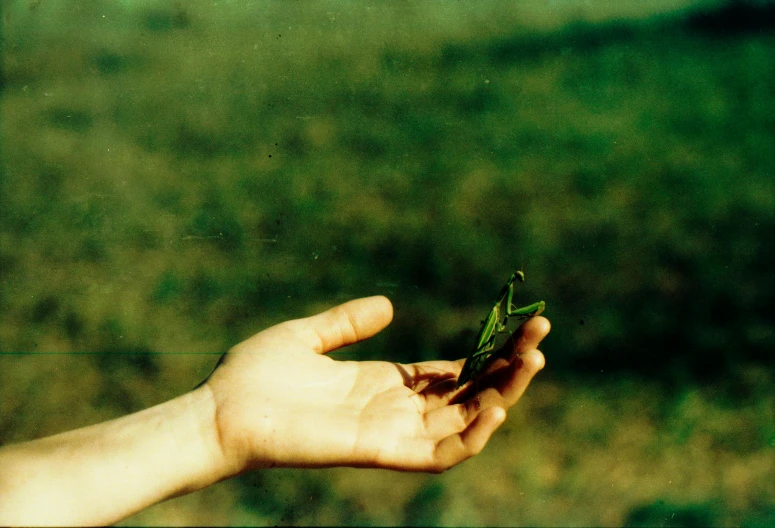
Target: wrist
213,464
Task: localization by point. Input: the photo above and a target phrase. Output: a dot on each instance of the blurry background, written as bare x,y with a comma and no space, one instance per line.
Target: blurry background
178,176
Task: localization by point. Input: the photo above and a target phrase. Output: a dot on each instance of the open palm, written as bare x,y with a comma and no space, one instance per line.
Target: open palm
281,402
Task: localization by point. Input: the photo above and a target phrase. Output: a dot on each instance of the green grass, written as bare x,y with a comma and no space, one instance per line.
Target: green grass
177,179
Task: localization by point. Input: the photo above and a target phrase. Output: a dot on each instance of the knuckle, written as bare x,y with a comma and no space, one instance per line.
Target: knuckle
346,324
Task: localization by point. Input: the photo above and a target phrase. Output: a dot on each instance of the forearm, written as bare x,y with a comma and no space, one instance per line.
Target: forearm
105,472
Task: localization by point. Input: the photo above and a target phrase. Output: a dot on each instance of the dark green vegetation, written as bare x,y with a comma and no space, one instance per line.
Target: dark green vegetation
177,179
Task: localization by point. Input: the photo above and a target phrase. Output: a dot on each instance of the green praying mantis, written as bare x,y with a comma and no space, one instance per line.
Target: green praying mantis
492,325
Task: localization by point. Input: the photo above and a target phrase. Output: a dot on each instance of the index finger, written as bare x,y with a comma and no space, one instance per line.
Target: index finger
531,333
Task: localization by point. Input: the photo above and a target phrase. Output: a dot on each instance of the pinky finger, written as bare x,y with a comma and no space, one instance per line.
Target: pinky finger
458,447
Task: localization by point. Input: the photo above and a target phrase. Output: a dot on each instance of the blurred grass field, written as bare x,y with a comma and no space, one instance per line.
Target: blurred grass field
176,178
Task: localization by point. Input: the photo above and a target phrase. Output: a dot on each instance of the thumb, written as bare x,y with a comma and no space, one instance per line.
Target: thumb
347,323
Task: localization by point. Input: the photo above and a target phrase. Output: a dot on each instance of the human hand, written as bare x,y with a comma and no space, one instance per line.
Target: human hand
279,401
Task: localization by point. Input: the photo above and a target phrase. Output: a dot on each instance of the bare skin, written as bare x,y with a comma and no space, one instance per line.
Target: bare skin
274,400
